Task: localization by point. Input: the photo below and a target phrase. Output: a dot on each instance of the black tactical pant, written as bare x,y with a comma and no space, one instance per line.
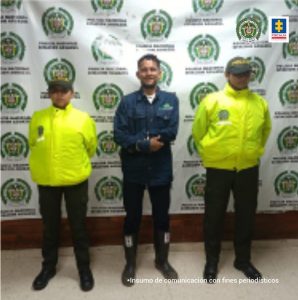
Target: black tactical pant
76,198
244,185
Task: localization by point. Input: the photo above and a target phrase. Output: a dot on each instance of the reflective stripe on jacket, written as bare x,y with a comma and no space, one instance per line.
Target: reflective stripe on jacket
61,143
231,129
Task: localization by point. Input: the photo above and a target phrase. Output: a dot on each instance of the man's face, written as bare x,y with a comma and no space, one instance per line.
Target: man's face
238,81
60,97
148,73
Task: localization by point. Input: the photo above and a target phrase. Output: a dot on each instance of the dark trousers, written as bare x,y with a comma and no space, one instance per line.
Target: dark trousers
244,185
133,203
76,198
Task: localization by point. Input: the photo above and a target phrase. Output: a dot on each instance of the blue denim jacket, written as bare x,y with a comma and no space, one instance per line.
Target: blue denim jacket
135,122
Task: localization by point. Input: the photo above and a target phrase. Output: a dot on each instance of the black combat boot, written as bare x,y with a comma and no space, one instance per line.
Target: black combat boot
42,279
161,245
130,248
86,279
210,271
248,270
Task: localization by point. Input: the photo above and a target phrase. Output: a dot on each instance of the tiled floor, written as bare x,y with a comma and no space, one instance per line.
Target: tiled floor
277,260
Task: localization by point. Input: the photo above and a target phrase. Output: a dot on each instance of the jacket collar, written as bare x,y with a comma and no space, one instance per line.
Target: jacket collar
141,94
230,91
57,109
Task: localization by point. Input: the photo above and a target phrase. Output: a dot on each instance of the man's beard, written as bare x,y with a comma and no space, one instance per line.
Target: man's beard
238,88
149,86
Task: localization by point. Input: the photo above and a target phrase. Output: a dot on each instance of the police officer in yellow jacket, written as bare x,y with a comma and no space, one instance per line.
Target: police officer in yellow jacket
230,130
62,140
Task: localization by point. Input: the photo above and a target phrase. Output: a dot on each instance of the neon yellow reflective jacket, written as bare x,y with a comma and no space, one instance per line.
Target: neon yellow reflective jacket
231,129
61,143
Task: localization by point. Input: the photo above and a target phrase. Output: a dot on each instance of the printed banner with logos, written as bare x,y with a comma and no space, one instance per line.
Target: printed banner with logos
97,43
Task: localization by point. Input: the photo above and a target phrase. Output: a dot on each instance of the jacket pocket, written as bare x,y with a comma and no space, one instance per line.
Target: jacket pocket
163,117
253,151
137,121
215,150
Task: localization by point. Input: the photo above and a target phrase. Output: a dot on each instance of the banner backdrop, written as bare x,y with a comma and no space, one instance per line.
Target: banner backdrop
97,43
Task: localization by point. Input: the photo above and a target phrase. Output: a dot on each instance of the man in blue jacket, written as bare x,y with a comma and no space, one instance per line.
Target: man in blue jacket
146,122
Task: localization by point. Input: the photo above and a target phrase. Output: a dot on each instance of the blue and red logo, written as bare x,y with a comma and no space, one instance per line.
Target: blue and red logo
279,29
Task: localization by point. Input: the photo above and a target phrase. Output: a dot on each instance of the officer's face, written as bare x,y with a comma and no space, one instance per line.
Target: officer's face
148,73
238,81
60,97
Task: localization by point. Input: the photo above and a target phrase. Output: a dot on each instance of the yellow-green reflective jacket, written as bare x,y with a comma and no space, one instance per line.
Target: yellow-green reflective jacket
231,128
62,141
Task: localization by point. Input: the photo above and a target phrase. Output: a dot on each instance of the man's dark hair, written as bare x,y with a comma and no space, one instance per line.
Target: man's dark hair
149,57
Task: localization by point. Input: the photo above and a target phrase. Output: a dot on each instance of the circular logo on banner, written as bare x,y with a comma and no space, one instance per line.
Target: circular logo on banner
257,69
290,49
288,140
195,187
106,97
57,22
248,30
14,145
15,192
59,69
107,6
207,6
191,147
156,25
109,189
10,5
106,146
107,49
256,23
288,94
203,49
286,184
13,98
166,75
199,92
292,4
12,47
